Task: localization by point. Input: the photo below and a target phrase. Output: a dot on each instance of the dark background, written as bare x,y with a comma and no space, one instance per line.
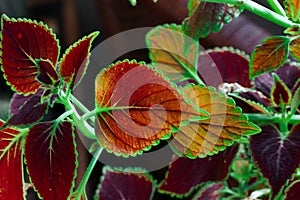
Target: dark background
72,19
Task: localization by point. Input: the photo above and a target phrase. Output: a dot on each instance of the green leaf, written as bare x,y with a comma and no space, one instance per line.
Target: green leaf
293,30
295,48
172,52
269,56
292,9
280,93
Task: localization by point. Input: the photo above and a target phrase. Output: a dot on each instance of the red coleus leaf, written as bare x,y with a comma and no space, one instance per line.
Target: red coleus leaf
205,18
11,164
51,159
125,184
269,56
75,60
212,192
232,66
280,93
23,44
137,107
277,158
293,192
196,171
292,9
46,74
295,48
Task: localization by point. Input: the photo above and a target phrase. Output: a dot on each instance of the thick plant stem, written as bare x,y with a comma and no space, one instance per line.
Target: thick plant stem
258,10
275,5
80,190
261,118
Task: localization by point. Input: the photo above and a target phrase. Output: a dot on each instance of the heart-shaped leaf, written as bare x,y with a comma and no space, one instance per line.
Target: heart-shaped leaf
295,48
206,17
196,171
207,137
51,159
125,184
269,56
277,158
75,60
292,8
232,65
280,93
11,164
137,107
212,192
172,52
23,44
293,192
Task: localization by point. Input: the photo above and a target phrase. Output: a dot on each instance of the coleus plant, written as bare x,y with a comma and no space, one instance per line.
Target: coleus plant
219,153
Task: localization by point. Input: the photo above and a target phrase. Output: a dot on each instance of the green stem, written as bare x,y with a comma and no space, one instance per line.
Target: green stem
258,10
88,172
275,5
255,117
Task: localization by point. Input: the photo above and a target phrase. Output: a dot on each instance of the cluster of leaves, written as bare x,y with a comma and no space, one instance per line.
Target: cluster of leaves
139,104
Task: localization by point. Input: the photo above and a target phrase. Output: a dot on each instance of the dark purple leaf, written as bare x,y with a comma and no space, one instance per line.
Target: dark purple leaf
23,43
232,67
51,159
277,158
125,184
11,161
293,192
30,112
212,192
185,174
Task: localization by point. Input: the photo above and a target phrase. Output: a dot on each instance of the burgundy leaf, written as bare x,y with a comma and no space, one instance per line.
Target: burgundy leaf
232,66
280,93
276,158
30,112
293,192
212,192
125,184
24,42
185,174
11,165
46,74
51,159
75,60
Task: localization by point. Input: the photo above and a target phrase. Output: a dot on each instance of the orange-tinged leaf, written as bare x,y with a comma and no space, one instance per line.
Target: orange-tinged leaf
172,52
280,93
207,137
269,56
137,107
292,8
295,48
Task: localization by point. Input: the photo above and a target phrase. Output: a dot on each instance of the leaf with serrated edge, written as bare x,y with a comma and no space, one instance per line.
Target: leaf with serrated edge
51,159
172,52
199,172
11,164
23,42
280,93
226,125
207,17
125,184
139,107
277,158
212,192
269,56
75,60
295,48
292,9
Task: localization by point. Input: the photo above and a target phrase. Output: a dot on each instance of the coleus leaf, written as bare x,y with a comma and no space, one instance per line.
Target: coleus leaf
125,184
295,100
213,168
75,60
293,30
212,192
207,137
137,107
232,64
52,174
46,73
295,48
292,9
269,56
277,158
206,17
293,192
280,93
172,52
11,164
23,44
